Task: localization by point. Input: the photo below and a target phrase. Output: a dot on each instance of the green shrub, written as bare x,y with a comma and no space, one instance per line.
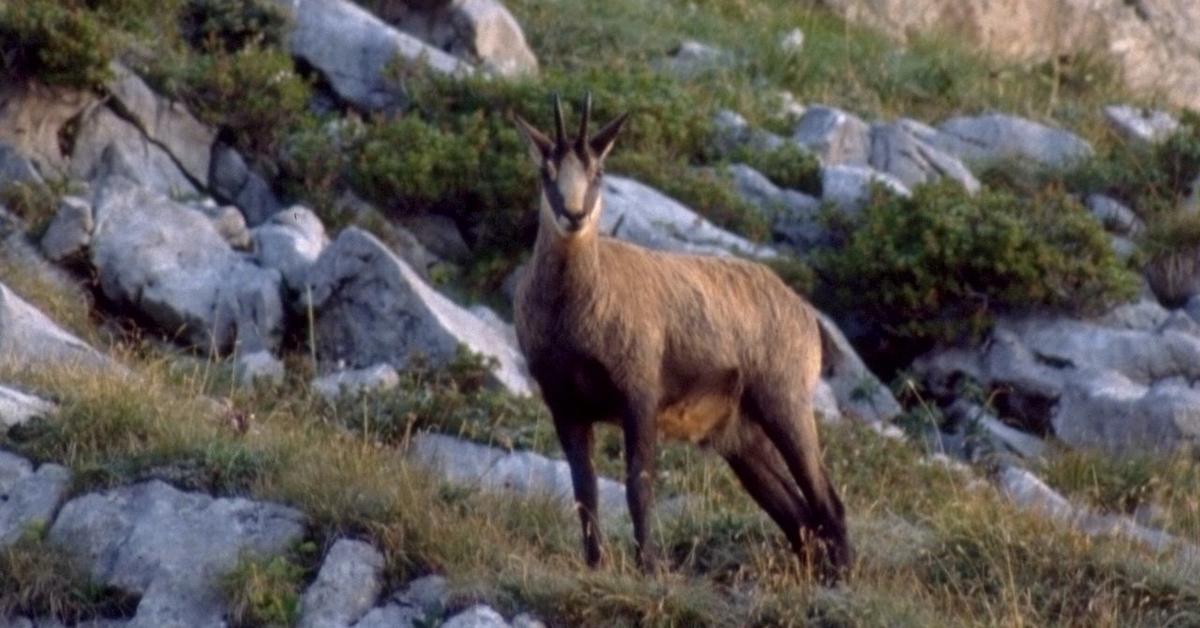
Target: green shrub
788,166
54,43
940,265
232,25
255,94
263,591
1152,179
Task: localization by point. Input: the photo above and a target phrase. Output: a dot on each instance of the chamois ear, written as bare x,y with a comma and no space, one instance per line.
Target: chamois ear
540,146
602,142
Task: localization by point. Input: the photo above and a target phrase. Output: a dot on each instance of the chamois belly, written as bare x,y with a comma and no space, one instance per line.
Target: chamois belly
704,411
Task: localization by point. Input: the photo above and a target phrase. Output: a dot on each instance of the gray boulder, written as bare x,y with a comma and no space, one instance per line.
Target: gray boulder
1119,389
70,231
522,472
165,123
31,117
999,140
638,213
371,307
357,52
477,31
859,393
836,136
1146,126
14,168
478,616
227,220
109,145
1114,215
794,215
30,498
439,235
422,602
28,338
258,367
692,58
902,150
849,187
731,133
17,407
290,241
12,468
375,378
233,181
350,580
171,547
169,262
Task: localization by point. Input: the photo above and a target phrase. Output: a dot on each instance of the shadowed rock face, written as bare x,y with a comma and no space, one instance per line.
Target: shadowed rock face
1154,43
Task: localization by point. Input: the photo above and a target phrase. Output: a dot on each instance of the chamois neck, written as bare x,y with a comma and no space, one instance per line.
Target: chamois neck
566,264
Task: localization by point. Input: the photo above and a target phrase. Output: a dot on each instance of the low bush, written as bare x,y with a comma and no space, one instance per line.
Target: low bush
788,166
942,264
232,25
54,42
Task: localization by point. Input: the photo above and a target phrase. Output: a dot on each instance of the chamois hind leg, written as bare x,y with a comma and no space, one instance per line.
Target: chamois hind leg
576,439
763,473
789,422
641,435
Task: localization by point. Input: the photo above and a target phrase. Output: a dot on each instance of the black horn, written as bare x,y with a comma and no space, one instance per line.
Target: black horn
582,140
560,127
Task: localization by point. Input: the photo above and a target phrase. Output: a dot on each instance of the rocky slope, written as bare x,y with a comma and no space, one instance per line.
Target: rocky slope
186,245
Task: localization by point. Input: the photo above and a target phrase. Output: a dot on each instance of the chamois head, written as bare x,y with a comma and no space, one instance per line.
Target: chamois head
571,171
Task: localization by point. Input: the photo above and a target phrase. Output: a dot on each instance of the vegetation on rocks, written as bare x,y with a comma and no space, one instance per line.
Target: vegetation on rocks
58,43
942,264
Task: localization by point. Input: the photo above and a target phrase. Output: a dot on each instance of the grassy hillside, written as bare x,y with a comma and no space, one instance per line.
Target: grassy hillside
936,545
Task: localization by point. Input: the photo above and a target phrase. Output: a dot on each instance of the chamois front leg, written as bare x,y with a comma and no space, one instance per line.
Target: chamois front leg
640,449
576,439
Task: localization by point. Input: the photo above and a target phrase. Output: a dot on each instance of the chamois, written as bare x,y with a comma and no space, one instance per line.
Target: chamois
715,351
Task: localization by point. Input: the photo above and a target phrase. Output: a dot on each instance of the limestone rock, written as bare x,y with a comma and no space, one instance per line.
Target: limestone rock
899,150
357,52
859,392
258,367
15,168
109,145
794,215
999,140
733,133
17,407
522,472
375,378
233,181
371,307
167,124
1114,215
1141,125
171,547
169,262
70,231
290,242
478,616
30,500
836,136
346,587
439,235
692,58
849,187
638,213
29,338
477,31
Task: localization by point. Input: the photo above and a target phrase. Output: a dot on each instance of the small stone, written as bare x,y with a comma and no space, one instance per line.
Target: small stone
479,616
17,407
345,588
793,41
259,367
70,231
371,379
1146,126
